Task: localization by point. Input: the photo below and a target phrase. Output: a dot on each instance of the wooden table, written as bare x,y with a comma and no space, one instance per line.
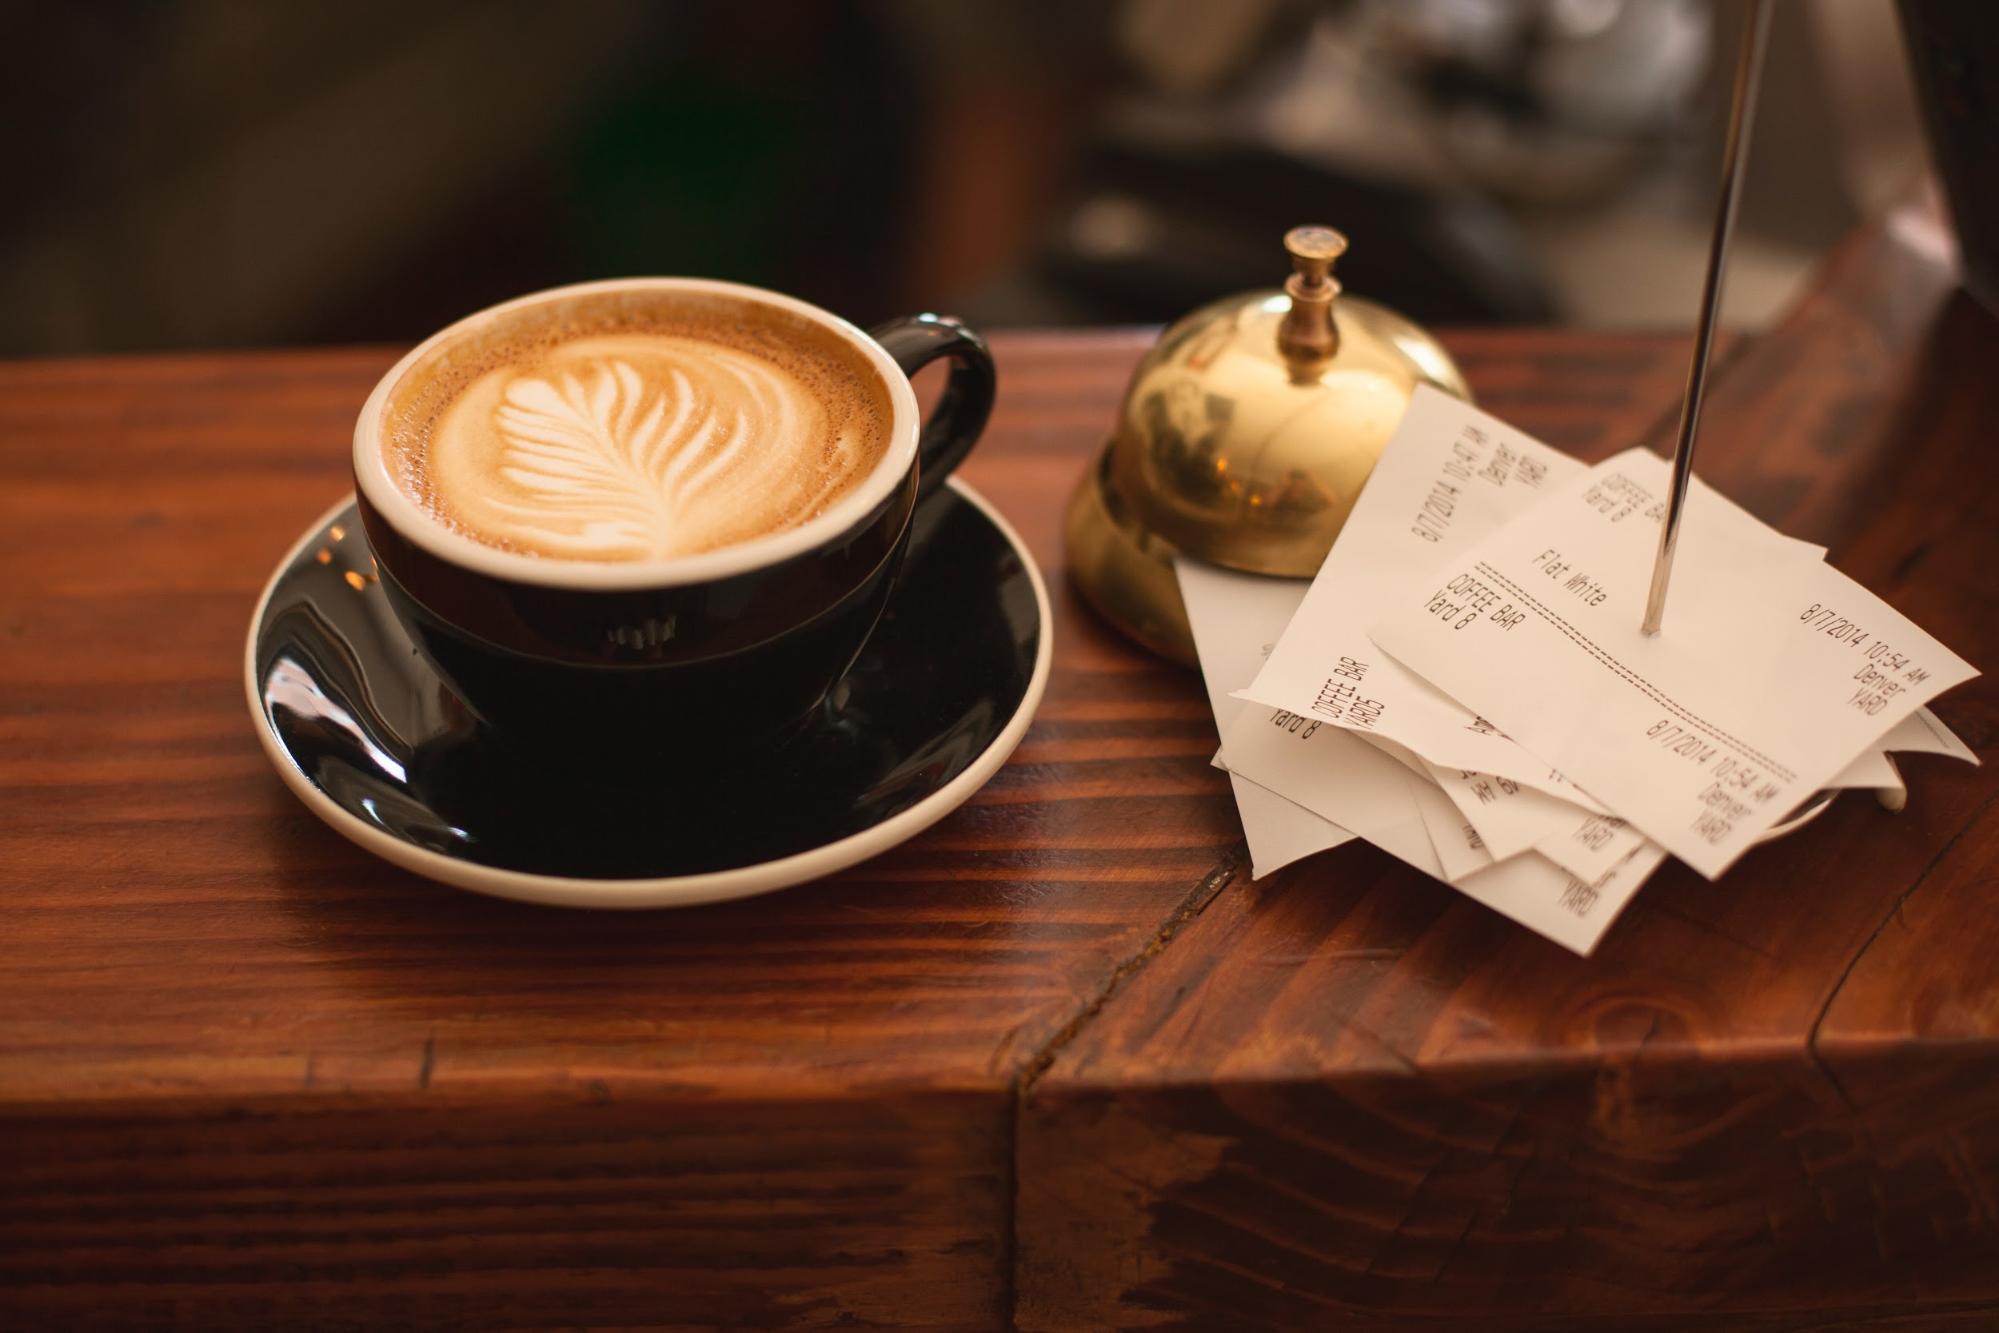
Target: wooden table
1057,1061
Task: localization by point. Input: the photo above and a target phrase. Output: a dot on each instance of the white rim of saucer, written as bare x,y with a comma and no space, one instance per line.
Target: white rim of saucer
371,468
673,890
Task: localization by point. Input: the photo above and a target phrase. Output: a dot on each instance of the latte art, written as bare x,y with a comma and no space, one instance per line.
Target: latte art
642,444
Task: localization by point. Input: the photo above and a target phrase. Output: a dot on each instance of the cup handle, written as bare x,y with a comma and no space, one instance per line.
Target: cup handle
913,342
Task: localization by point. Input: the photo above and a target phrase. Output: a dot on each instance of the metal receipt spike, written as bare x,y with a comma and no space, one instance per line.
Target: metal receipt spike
1742,112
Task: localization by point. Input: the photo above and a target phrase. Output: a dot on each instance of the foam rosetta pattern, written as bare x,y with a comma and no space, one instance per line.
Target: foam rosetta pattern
637,447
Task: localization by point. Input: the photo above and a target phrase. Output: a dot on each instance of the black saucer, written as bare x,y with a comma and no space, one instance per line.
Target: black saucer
368,737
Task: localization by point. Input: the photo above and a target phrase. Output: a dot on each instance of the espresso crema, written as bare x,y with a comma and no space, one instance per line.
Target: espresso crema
635,425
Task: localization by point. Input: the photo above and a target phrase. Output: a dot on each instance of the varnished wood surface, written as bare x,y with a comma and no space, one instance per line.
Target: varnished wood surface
1055,1059
252,1076
1773,1101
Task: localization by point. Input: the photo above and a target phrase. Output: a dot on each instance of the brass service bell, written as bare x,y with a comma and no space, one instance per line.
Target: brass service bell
1244,438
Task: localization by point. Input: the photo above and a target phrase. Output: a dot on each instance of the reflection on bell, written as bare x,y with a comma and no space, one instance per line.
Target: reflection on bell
1244,439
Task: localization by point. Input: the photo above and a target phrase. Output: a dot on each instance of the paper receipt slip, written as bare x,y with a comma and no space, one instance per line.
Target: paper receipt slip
1772,673
1450,476
1234,616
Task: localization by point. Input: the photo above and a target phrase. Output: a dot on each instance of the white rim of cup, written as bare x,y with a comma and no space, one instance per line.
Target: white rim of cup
371,470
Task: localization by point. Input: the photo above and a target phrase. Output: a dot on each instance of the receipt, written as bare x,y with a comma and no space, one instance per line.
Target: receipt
1279,831
1459,846
1335,775
1509,817
1585,840
1449,475
1923,732
1235,617
1359,786
1773,672
1593,846
1572,911
1872,770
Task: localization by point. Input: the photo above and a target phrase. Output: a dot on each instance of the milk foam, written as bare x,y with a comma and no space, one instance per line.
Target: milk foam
639,444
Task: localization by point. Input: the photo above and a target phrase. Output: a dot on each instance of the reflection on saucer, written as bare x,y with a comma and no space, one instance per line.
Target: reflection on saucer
371,740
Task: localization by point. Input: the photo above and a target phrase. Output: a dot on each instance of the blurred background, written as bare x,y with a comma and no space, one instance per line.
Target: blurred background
228,173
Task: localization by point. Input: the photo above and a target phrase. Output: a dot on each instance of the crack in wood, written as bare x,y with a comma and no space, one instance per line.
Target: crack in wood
1190,907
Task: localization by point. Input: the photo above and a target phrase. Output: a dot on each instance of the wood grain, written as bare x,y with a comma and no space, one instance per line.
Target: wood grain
252,1077
1348,1095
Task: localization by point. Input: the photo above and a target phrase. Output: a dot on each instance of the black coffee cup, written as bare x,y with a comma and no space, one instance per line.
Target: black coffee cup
720,651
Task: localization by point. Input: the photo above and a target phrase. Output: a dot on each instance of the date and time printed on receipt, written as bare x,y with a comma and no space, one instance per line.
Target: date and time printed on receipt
1465,683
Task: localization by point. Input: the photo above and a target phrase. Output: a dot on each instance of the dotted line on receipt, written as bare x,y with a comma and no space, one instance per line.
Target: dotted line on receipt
1635,680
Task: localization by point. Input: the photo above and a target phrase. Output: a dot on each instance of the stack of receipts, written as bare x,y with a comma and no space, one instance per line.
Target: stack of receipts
1465,685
